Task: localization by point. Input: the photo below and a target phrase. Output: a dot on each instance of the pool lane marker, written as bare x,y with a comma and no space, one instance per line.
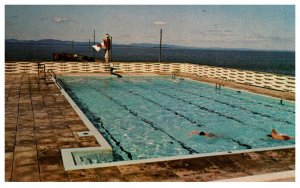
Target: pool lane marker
68,154
190,150
241,144
100,124
234,140
166,108
231,139
242,108
248,100
201,107
97,120
189,102
231,105
260,103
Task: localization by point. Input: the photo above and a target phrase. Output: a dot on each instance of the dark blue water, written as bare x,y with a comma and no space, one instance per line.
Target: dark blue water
263,61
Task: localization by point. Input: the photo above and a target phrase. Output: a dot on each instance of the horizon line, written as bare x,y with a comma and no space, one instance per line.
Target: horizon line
171,45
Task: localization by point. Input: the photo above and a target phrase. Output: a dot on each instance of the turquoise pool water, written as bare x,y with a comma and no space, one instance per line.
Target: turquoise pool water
151,117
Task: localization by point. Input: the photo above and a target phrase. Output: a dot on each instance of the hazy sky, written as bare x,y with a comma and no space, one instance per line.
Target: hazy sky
230,26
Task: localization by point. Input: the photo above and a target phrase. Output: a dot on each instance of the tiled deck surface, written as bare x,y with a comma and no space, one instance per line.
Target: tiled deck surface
39,122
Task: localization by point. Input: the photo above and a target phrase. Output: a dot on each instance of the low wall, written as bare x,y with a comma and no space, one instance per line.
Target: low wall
259,79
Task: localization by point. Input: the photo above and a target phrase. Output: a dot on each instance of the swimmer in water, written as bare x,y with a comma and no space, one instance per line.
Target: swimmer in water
201,134
278,136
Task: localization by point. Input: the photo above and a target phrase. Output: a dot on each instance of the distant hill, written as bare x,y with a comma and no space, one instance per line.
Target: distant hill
44,41
52,41
132,45
58,42
11,41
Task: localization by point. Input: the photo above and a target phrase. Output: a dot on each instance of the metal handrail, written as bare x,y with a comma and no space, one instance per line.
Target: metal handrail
43,68
58,81
175,73
223,80
221,83
51,73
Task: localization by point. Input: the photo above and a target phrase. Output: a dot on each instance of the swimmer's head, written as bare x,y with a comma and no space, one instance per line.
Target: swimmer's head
202,133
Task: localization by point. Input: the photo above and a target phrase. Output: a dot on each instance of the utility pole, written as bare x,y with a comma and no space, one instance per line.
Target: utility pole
89,47
110,53
159,58
72,47
94,44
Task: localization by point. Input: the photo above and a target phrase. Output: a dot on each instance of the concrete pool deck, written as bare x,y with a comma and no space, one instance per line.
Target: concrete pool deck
39,122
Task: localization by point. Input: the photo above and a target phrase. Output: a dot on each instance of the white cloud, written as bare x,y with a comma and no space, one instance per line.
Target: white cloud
159,23
61,19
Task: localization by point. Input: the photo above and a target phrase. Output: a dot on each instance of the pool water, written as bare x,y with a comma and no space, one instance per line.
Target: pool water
151,117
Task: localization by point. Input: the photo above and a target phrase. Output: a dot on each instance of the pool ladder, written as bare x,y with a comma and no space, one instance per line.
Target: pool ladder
43,74
175,73
41,71
48,75
221,83
58,81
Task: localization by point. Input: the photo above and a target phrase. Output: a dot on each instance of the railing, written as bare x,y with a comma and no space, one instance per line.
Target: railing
51,73
257,79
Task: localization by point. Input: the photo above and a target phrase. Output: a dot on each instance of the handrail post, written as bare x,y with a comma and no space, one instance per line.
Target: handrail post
43,68
38,66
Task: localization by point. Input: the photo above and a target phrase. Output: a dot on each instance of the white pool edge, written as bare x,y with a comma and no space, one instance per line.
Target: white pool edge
67,157
244,90
132,162
268,177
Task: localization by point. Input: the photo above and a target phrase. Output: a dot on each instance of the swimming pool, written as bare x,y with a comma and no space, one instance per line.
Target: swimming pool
151,117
